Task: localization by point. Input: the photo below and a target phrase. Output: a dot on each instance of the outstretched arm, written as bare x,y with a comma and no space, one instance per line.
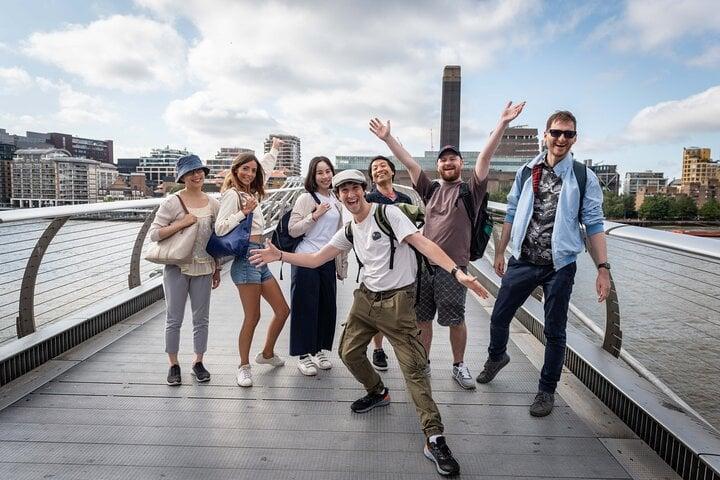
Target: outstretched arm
510,113
436,255
382,131
269,254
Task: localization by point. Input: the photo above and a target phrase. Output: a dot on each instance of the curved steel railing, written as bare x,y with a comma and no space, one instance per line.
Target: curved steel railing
100,241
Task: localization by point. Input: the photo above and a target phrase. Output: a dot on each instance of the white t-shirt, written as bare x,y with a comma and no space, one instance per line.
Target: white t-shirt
373,249
323,230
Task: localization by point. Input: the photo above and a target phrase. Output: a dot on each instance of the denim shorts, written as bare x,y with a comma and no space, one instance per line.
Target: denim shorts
242,271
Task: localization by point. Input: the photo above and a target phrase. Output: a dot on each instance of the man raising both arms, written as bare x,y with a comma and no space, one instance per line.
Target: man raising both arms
448,224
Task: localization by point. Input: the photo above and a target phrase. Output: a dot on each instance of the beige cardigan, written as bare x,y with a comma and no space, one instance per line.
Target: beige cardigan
170,211
301,222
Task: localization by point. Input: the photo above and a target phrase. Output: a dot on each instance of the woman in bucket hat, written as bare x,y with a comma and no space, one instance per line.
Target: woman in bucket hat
243,188
181,210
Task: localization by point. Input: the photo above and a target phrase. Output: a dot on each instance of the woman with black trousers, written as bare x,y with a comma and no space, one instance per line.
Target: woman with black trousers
317,215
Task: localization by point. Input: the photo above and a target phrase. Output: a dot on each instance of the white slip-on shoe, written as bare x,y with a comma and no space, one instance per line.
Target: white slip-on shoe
321,360
244,376
275,361
306,366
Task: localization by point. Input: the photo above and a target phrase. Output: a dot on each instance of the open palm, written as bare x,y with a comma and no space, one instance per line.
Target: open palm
380,129
511,111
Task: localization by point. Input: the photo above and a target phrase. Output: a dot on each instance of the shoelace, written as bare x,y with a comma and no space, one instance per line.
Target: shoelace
464,372
245,373
321,357
307,362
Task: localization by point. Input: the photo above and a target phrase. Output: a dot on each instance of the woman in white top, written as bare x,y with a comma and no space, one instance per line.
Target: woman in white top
243,188
317,215
196,279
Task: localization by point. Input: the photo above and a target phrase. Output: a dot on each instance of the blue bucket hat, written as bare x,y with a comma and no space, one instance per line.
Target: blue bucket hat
187,164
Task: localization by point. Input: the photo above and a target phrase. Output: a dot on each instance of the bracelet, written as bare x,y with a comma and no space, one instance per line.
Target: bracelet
280,259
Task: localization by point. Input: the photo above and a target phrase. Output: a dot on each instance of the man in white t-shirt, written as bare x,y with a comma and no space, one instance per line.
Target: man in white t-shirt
384,302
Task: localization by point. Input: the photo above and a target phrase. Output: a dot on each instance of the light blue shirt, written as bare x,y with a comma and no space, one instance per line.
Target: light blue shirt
567,239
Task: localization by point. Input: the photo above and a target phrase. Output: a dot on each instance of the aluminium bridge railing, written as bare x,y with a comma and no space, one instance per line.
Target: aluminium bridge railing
76,270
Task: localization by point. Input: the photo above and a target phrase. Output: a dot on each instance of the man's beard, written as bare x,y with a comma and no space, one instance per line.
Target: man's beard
449,175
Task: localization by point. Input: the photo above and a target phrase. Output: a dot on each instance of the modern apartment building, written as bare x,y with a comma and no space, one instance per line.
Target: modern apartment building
648,178
698,167
43,177
100,150
7,151
223,159
159,166
289,157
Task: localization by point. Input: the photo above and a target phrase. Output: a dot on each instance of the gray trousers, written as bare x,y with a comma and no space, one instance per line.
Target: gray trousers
177,287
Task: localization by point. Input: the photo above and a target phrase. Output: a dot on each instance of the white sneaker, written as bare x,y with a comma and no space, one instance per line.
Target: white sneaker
306,366
321,360
462,376
275,361
244,376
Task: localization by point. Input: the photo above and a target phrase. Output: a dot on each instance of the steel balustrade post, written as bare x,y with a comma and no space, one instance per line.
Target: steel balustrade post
134,279
612,341
25,323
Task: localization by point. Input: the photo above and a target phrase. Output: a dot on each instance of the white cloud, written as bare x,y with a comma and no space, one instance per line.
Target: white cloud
320,70
709,58
77,108
124,52
654,24
678,118
13,80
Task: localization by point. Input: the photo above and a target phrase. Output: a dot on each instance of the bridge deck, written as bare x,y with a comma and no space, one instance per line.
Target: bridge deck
111,415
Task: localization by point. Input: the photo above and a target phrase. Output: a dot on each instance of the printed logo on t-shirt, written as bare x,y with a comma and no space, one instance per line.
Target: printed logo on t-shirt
376,235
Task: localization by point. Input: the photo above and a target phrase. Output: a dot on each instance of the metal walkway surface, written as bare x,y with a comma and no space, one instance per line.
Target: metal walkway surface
109,414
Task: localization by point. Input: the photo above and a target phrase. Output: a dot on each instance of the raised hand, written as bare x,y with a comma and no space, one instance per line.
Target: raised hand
277,143
511,112
263,256
471,283
380,130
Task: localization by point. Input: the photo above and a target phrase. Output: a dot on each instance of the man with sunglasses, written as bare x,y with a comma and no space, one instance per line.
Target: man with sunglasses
542,225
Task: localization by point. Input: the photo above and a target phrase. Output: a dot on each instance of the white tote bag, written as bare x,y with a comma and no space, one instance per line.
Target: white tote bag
177,249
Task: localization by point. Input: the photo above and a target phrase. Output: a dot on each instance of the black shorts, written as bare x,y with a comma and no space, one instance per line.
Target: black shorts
441,293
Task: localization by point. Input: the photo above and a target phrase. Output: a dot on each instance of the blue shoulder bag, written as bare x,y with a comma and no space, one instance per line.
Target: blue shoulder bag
234,243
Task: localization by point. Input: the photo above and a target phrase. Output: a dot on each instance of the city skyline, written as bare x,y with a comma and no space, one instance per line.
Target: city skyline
641,76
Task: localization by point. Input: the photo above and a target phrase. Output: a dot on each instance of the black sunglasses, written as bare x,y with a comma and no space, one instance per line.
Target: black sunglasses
568,133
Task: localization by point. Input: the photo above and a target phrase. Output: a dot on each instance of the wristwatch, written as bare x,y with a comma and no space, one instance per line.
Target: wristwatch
604,265
454,271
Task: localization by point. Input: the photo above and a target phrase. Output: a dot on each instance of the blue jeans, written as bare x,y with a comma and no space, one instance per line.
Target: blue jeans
242,271
519,281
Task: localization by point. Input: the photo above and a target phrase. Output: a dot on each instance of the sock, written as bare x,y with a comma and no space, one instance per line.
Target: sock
433,438
457,364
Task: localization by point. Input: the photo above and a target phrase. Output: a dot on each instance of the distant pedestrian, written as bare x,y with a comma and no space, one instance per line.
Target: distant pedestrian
316,216
177,212
542,225
384,302
243,188
382,173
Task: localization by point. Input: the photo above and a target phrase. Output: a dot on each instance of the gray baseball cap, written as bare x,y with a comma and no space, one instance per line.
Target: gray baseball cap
349,176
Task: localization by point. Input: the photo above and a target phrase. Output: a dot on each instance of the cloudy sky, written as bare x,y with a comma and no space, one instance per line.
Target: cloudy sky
642,76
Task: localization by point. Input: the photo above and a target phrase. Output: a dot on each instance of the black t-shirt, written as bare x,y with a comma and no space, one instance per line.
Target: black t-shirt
376,197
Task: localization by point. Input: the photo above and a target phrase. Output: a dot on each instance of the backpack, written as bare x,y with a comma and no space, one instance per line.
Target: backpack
481,224
580,171
416,216
281,237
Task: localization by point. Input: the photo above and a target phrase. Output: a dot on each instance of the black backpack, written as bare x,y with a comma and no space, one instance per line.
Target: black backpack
481,223
281,237
580,171
416,216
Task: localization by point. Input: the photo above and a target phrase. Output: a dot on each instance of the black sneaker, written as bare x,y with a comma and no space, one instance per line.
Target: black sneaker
492,368
440,453
543,404
174,377
200,372
370,401
380,359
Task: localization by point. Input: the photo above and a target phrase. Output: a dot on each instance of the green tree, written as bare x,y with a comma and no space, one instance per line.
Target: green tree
500,196
684,208
711,210
613,206
656,207
629,206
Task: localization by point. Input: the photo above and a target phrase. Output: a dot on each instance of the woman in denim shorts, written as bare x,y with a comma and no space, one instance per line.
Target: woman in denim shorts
244,186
